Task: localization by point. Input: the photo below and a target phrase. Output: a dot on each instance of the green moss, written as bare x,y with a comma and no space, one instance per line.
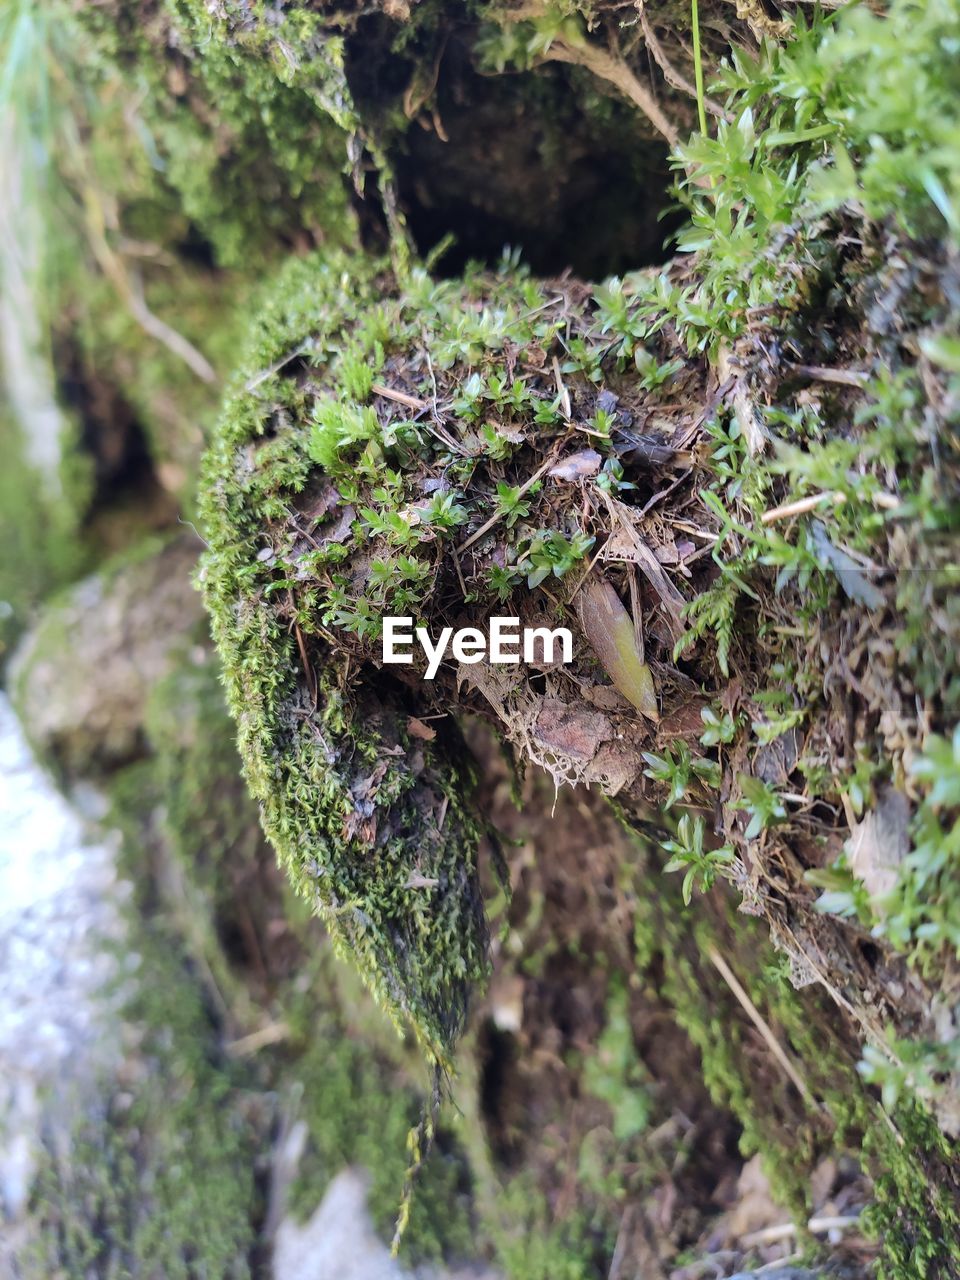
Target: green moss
359,1106
350,800
161,1180
532,1243
40,533
243,141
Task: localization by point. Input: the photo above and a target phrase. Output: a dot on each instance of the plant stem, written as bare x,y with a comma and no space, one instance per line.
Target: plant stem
698,64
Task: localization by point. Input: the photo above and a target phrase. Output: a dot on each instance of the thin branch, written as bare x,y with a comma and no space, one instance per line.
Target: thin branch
672,76
773,1044
612,68
498,515
115,270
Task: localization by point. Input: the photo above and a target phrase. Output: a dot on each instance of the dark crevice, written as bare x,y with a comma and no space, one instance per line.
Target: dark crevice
544,162
112,441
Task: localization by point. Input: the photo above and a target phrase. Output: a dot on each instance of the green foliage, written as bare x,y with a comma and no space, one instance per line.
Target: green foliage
511,504
339,427
714,610
679,767
358,1110
701,866
533,1243
720,727
551,553
349,804
905,1067
163,1180
922,914
613,1073
761,802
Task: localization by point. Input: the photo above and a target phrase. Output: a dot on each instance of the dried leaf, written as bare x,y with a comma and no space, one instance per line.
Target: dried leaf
879,843
852,579
610,633
578,466
417,729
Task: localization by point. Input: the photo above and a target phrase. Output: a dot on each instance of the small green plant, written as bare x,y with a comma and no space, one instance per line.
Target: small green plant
550,552
679,767
714,611
339,428
761,802
908,1067
443,511
397,527
510,504
502,580
939,769
843,893
700,866
719,727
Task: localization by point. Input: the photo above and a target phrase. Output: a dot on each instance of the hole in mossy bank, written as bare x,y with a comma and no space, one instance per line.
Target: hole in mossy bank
113,452
545,162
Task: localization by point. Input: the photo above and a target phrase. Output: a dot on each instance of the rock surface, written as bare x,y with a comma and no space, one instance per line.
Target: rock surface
59,917
338,1242
81,679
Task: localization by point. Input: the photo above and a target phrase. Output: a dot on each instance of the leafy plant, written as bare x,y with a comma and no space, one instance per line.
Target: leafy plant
502,580
550,552
908,1066
510,503
719,727
761,802
701,866
679,767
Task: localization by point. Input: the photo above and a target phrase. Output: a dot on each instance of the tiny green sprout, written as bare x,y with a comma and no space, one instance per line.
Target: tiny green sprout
679,768
547,412
551,552
444,511
610,479
906,1067
510,503
395,527
336,428
718,728
501,580
939,768
761,802
702,866
843,893
602,424
357,369
498,447
652,373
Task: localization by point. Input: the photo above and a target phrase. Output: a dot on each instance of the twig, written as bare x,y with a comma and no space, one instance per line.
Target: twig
774,1045
670,73
272,1033
784,1230
842,377
498,515
401,397
610,67
277,365
889,502
800,507
115,270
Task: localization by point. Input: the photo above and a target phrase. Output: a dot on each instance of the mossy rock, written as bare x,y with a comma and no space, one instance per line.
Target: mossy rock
82,678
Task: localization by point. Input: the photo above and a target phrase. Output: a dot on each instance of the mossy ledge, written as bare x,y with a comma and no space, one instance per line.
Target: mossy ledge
460,448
